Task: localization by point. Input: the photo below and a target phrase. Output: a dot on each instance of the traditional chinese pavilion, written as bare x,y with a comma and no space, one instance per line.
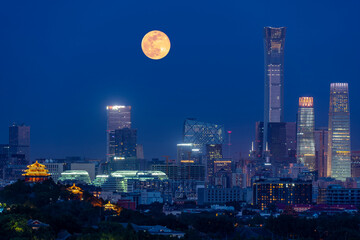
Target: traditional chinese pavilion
76,190
36,173
112,207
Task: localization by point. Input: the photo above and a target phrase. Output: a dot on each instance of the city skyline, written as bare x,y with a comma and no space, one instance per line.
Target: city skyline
37,73
179,120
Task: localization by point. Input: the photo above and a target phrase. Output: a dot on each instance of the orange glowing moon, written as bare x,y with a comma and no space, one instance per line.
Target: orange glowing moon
155,45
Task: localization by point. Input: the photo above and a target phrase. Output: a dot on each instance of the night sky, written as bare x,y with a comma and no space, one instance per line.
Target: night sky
62,62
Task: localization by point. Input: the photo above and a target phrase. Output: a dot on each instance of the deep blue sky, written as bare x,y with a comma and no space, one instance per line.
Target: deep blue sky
62,62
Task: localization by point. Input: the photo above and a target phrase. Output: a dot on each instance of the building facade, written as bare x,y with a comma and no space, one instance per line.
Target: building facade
339,149
19,142
277,141
4,158
355,164
87,166
118,117
201,133
274,41
321,149
338,195
128,181
281,191
188,152
207,138
221,195
213,151
55,169
140,151
259,138
125,143
183,171
291,138
305,133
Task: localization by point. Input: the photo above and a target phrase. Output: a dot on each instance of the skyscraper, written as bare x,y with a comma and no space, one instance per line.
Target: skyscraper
201,133
118,117
207,138
321,150
277,141
339,150
213,151
274,40
19,143
305,133
125,143
281,137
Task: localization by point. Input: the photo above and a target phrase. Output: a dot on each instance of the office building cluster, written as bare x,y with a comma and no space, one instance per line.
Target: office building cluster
290,163
318,159
293,149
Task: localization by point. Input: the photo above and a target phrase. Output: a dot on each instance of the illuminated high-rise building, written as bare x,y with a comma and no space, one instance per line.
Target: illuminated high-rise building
213,151
274,41
339,149
202,133
118,117
207,138
305,133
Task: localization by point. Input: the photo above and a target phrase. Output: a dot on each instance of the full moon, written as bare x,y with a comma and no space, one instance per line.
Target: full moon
155,45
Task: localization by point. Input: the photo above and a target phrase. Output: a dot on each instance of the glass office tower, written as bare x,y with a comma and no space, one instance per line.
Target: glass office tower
208,138
118,117
339,149
305,133
213,151
202,133
125,143
274,40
